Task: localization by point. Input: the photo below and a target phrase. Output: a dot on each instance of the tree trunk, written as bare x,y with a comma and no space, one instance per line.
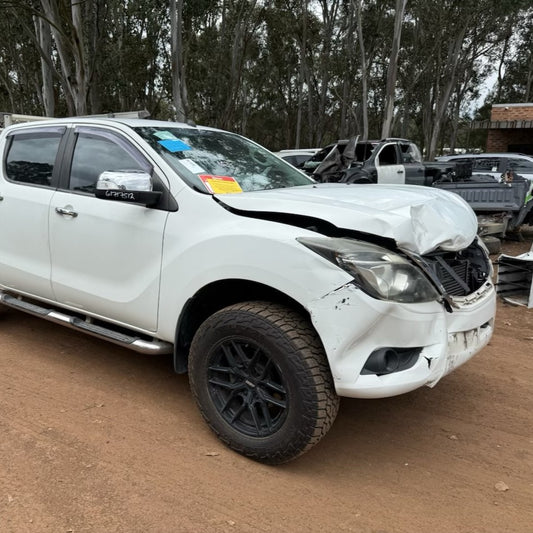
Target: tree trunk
344,130
393,69
364,68
301,74
329,18
445,94
45,42
528,93
96,28
500,68
71,52
178,74
81,88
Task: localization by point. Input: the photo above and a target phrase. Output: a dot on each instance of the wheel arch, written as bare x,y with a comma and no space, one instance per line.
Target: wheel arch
357,175
215,296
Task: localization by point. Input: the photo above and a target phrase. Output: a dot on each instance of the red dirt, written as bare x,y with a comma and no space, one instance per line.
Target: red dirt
95,438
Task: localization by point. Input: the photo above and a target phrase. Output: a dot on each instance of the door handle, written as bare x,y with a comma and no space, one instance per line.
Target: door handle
66,212
399,172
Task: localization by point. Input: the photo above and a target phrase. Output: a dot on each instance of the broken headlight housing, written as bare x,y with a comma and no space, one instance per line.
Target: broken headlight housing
377,271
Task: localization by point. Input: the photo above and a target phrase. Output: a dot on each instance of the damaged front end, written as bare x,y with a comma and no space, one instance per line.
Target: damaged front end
418,300
459,275
382,343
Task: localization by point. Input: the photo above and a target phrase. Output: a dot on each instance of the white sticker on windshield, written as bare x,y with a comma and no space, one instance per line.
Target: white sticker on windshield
165,136
191,165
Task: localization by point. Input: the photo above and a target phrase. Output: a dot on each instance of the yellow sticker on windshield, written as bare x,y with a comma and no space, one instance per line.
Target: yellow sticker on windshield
220,184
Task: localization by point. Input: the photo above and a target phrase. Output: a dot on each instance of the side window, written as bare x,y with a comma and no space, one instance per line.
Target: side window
485,164
410,153
388,155
521,165
98,151
31,156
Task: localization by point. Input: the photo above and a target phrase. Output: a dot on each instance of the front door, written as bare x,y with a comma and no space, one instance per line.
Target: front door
106,255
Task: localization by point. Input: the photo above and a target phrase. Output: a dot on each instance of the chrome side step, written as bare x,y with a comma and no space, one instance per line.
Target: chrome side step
132,341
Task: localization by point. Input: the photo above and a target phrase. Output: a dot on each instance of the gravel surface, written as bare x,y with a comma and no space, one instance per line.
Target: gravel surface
95,438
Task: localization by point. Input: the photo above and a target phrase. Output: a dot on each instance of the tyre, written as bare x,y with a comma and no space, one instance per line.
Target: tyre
259,375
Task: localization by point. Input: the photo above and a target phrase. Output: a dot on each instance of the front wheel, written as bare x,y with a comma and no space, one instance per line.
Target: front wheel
259,374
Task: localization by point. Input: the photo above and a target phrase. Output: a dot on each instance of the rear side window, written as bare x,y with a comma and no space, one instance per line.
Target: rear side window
32,155
521,165
410,153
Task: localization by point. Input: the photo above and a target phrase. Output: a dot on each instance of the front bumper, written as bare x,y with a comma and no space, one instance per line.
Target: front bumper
353,325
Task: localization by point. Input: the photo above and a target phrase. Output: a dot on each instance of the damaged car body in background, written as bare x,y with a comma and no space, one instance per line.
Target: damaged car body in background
514,282
503,204
391,160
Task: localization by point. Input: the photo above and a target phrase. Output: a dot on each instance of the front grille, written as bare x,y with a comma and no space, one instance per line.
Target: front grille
454,276
460,273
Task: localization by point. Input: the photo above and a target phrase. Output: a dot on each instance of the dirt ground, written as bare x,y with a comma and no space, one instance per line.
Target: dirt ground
94,438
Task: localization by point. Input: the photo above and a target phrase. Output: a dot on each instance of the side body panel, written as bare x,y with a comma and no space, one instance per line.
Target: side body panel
25,257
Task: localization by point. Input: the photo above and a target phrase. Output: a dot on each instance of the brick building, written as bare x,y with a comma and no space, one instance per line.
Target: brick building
510,128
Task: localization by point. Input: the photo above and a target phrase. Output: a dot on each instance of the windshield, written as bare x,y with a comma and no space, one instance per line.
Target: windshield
220,162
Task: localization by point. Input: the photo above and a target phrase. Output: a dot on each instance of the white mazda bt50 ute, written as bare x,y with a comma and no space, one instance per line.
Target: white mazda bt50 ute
276,294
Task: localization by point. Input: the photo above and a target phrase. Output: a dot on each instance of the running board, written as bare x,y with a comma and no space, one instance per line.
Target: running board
128,341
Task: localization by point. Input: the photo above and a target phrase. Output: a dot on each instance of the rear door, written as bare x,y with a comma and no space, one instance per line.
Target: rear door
415,171
29,179
106,255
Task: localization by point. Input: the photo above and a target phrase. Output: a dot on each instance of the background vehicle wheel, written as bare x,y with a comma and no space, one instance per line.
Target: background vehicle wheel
259,374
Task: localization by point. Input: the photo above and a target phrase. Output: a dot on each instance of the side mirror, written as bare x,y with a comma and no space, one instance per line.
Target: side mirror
127,186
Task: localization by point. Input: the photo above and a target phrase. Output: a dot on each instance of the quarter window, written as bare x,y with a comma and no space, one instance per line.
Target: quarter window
521,165
32,155
411,153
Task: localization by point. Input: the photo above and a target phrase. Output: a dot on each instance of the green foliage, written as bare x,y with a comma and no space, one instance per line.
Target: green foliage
517,81
279,70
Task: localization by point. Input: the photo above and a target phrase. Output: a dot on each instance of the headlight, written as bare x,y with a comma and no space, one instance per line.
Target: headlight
379,272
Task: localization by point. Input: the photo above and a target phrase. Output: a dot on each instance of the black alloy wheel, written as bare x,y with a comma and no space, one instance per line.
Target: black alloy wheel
261,379
246,387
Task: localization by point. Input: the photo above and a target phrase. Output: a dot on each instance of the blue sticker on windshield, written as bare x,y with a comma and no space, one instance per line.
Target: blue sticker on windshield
174,145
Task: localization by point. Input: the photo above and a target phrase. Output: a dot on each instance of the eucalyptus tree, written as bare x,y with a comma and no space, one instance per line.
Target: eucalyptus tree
515,84
273,77
223,45
458,39
20,84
